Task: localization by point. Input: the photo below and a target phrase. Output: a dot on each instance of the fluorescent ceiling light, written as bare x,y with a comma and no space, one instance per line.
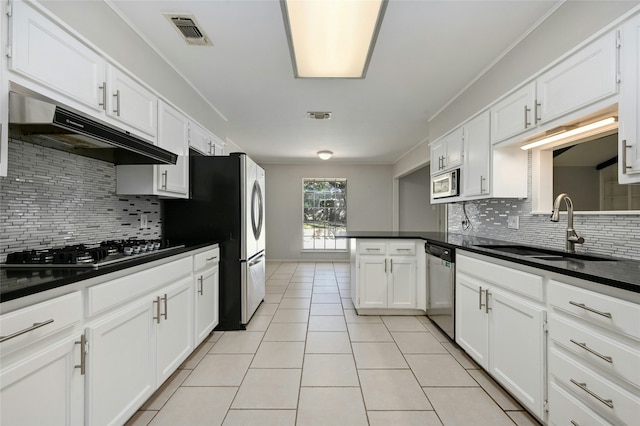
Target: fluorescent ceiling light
325,155
570,133
332,38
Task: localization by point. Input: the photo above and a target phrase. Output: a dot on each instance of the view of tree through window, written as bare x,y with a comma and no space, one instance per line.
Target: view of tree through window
325,214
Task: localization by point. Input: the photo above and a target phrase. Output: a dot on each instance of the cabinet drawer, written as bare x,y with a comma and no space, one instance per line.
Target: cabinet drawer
594,390
113,293
615,314
402,249
206,259
517,281
602,351
566,410
40,320
372,248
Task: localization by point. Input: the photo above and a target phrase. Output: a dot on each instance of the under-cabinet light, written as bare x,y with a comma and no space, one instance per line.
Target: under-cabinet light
569,133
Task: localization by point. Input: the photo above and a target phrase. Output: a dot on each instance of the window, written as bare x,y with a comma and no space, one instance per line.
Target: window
324,214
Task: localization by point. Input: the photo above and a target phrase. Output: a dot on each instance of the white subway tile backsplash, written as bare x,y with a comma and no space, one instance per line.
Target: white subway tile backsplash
52,198
607,234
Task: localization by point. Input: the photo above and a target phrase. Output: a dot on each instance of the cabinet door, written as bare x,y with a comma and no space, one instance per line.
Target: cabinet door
175,327
200,139
517,347
514,114
455,148
587,76
132,104
629,105
173,136
471,319
372,281
121,364
46,54
402,282
207,291
438,155
477,149
44,388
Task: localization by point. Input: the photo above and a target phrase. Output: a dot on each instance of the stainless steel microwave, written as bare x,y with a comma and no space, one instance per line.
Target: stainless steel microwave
446,184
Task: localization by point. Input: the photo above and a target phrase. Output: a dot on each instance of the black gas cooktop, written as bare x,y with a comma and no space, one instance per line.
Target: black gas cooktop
85,255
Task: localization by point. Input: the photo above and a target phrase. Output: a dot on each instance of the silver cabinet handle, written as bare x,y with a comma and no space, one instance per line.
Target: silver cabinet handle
486,299
26,330
164,179
626,146
574,423
117,96
211,258
103,104
536,108
526,117
482,179
83,354
157,317
588,349
586,308
165,306
201,289
583,386
480,304
211,148
373,249
401,249
385,266
391,267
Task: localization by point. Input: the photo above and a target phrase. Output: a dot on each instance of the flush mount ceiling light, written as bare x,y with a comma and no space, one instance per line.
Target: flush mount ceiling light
325,155
567,133
332,38
319,115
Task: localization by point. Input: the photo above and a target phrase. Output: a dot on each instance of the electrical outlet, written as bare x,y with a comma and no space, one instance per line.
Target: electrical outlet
144,222
513,222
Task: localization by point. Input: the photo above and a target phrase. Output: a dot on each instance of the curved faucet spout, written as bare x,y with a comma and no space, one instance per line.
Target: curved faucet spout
572,236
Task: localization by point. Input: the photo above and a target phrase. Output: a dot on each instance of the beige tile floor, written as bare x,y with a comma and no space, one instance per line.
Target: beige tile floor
307,358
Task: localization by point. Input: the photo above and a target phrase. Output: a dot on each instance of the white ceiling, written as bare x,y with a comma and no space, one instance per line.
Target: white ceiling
427,52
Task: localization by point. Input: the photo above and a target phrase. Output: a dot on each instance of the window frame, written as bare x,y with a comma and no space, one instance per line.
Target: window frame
304,193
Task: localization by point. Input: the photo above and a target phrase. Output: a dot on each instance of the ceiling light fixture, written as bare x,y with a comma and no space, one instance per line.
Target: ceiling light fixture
332,38
325,155
569,133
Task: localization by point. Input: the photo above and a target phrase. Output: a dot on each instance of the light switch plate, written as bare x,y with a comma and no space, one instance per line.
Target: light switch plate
144,222
513,222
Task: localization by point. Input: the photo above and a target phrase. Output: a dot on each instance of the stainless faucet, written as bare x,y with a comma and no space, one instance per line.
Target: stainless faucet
572,237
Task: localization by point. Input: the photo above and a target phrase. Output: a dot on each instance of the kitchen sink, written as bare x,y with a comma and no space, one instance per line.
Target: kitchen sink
543,254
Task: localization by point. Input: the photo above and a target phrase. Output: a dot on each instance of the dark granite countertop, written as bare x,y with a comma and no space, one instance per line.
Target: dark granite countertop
20,282
617,272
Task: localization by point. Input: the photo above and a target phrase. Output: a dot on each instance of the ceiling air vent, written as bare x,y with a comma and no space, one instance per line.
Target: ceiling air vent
188,28
318,115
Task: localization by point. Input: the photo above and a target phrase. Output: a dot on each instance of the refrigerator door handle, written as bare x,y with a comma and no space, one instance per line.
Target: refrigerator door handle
256,260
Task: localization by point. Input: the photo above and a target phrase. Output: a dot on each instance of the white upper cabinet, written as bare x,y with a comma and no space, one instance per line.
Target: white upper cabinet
477,151
583,78
203,141
514,114
43,53
131,104
446,152
629,105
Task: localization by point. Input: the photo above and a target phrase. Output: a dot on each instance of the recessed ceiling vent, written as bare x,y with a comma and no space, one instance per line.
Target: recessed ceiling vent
187,26
318,115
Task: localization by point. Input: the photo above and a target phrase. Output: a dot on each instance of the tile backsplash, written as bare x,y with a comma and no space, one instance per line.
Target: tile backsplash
52,198
608,234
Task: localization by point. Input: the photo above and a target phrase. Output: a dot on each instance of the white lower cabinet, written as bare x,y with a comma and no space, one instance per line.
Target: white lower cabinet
121,364
501,329
594,357
44,388
206,275
389,275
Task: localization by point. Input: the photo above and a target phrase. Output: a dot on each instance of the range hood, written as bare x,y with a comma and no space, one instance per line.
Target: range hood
48,124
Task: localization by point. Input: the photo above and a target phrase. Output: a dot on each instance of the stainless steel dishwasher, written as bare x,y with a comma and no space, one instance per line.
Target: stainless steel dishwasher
441,286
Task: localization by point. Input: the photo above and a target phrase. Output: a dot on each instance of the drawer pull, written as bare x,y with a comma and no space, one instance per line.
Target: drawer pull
586,308
401,249
373,249
211,258
583,386
26,330
574,423
588,349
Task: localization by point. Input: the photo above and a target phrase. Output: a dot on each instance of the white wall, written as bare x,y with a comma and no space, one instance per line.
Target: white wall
415,211
369,194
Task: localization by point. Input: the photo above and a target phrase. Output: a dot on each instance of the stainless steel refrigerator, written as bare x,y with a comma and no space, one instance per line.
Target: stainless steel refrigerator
227,206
